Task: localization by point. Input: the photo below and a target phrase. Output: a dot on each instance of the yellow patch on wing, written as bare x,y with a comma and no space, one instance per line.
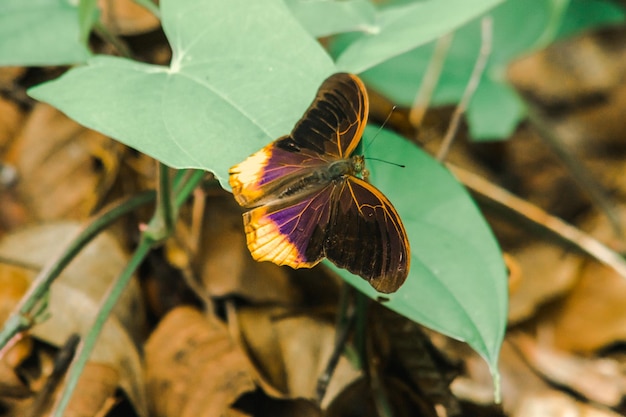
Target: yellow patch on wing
245,176
267,243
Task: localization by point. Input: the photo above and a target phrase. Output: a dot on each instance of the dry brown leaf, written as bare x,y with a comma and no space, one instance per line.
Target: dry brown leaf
578,83
95,388
13,214
14,282
357,400
290,351
599,380
547,272
91,272
306,345
402,346
259,404
73,312
75,295
125,17
11,118
517,380
551,403
193,367
63,168
8,75
594,313
12,387
225,265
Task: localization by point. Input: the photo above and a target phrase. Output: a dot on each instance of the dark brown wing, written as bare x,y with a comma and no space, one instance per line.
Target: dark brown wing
365,236
329,130
333,125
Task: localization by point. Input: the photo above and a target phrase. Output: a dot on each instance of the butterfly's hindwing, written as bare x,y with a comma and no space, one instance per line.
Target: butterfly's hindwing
366,237
290,234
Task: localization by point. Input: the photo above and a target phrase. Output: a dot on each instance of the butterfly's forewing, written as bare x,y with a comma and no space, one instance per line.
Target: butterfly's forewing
334,123
330,129
366,236
259,179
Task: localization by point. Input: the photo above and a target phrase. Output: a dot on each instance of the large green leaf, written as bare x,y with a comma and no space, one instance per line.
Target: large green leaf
403,28
457,283
324,18
242,74
40,32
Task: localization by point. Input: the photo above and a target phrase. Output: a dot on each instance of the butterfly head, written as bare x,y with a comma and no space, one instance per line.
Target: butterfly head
358,166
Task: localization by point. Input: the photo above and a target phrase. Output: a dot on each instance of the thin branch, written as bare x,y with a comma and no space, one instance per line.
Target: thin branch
87,344
500,197
477,73
111,297
21,319
430,80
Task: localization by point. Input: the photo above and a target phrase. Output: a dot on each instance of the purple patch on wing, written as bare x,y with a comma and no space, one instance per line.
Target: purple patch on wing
284,163
305,223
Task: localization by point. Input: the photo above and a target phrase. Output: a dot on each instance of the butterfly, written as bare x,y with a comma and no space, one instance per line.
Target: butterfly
308,198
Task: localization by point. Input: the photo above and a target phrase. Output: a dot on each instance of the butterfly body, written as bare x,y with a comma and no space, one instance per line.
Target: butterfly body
308,199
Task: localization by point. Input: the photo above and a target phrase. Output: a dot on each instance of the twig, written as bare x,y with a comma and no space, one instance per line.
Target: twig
470,88
21,318
430,80
515,205
111,297
86,346
346,318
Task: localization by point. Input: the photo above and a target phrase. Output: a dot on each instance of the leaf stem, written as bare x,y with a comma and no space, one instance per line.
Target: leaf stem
470,88
21,318
87,344
185,184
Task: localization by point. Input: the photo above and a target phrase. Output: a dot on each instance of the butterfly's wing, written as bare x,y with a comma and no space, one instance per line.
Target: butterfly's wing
366,236
296,219
290,233
334,123
329,130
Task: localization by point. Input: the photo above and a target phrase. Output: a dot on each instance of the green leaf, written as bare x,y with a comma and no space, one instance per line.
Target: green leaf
585,14
40,32
519,26
323,18
494,111
227,92
457,283
403,28
88,15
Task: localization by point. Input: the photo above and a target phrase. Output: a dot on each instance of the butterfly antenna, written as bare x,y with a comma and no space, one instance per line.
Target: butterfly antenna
387,162
380,128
